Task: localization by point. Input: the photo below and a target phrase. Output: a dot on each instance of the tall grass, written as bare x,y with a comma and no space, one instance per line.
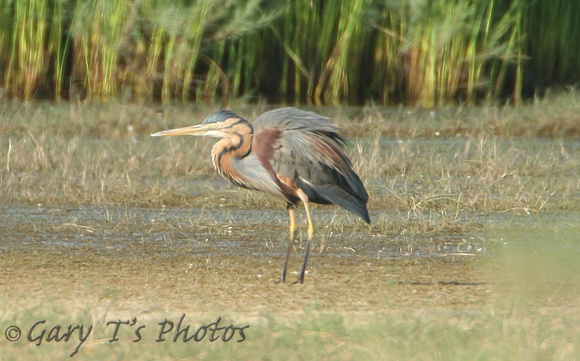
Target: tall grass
97,32
551,47
447,45
418,52
26,62
322,45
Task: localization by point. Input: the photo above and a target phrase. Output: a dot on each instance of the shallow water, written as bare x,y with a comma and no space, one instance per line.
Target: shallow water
234,232
77,251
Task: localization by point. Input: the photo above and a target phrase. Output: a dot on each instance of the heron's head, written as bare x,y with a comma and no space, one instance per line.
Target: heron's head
220,124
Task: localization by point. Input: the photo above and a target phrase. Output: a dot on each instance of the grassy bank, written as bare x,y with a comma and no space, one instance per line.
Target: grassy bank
415,52
437,335
443,163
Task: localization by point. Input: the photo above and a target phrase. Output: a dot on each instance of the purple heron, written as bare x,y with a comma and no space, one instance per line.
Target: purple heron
293,154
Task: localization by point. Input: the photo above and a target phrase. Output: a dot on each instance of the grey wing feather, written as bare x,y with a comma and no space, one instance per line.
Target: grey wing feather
300,129
309,152
293,118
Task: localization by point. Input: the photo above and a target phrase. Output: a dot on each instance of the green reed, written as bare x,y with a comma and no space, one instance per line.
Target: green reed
322,44
25,63
442,48
553,30
57,48
417,52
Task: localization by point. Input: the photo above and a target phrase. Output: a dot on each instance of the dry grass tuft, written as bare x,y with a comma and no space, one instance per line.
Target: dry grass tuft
438,169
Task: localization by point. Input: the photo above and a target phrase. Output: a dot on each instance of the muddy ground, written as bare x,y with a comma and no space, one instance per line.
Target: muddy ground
74,255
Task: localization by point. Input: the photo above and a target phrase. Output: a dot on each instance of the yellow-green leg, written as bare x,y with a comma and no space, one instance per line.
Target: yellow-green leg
293,227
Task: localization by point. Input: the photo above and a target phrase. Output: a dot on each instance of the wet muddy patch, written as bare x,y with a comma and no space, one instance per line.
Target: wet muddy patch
183,253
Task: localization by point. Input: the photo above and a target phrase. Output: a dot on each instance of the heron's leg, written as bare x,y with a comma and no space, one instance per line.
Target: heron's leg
310,233
293,227
293,224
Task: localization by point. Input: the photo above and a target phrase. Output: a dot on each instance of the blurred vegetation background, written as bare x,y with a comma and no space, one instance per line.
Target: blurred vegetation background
416,52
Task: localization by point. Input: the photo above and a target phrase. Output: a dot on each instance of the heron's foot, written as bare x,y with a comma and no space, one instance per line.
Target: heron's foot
300,280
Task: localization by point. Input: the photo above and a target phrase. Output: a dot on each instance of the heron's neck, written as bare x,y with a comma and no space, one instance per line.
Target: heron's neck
228,150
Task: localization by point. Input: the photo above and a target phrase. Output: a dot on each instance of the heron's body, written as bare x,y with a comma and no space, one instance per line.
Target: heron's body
293,154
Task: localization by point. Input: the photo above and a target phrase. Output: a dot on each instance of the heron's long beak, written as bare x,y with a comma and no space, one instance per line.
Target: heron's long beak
200,129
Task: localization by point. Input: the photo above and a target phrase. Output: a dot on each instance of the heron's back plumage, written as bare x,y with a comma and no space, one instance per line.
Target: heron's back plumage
306,148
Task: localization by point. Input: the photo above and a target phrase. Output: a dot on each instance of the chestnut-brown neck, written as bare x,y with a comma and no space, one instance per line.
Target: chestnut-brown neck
236,144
